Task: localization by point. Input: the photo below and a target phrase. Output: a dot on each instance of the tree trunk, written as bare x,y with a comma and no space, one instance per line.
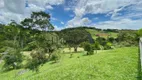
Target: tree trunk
22,44
96,51
75,49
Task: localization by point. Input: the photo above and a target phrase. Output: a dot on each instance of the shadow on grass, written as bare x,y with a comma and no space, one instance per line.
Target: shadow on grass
139,75
5,70
53,62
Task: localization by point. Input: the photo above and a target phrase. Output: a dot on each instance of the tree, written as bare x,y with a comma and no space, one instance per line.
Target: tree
102,41
139,32
38,58
43,42
128,38
11,48
111,39
96,46
74,37
39,20
107,46
89,48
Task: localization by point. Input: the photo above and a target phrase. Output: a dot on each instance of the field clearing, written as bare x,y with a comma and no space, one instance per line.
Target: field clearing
95,32
72,49
117,64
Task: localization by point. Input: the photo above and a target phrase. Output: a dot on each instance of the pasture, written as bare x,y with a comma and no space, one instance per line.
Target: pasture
116,64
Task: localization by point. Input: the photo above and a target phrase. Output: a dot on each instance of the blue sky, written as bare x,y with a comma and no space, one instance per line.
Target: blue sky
114,14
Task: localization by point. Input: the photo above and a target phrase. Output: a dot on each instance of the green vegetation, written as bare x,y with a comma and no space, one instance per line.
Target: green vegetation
117,64
140,32
74,37
32,50
89,48
95,33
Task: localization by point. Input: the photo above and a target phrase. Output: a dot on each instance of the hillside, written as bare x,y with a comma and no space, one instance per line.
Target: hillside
117,64
95,33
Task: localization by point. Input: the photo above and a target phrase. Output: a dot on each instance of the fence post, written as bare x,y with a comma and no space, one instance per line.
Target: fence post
139,59
140,50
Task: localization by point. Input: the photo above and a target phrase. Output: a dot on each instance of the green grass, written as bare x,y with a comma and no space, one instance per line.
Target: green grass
117,64
94,32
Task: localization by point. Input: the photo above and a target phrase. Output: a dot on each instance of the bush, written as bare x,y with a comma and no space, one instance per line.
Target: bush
3,49
108,46
102,41
111,39
30,46
12,59
89,48
96,46
55,57
38,57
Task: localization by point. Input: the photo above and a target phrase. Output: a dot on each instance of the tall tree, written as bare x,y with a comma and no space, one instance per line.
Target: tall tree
74,37
39,20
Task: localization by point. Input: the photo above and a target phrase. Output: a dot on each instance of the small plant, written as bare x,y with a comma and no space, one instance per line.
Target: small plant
37,58
55,57
71,55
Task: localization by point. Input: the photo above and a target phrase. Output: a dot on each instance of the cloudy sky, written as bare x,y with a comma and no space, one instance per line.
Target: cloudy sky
118,14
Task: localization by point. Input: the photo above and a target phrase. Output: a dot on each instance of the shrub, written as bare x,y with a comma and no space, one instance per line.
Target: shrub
38,57
12,59
89,48
55,57
30,46
96,46
102,41
108,46
111,39
3,49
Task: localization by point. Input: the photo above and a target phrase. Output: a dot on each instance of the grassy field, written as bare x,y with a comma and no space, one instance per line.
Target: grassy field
94,32
117,64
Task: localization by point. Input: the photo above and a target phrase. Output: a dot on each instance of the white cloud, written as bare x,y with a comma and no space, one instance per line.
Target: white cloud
120,24
101,6
54,19
35,8
15,6
56,28
62,22
77,21
49,7
7,16
67,9
46,2
1,3
16,10
109,7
